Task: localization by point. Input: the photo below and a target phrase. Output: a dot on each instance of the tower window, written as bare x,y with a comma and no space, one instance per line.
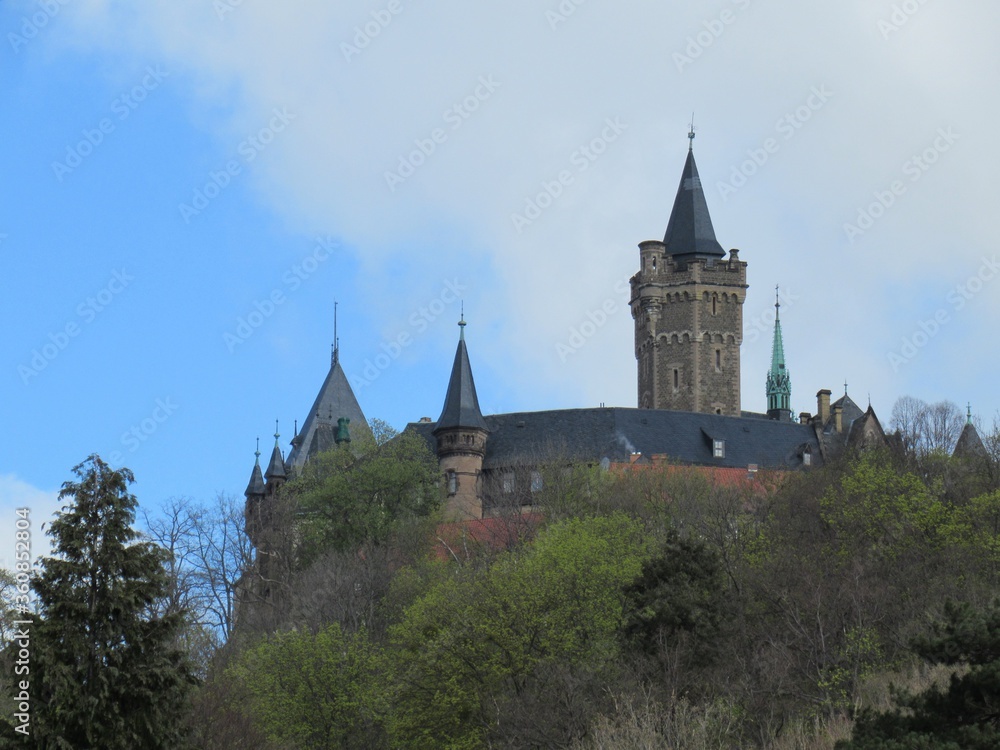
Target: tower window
718,360
719,448
452,482
715,310
654,262
677,378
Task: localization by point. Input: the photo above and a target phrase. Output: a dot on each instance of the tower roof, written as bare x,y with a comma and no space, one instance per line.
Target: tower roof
256,485
969,443
689,231
779,382
461,404
276,466
335,400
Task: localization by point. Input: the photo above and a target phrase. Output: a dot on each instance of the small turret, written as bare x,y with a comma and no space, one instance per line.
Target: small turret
255,493
276,473
779,382
461,434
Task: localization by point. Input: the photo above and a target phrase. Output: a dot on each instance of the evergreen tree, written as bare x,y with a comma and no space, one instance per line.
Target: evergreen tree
106,670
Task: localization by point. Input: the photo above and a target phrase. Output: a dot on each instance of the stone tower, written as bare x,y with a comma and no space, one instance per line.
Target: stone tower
687,303
461,439
779,382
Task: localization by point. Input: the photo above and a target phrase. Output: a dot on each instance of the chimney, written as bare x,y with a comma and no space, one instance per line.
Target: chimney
425,420
804,417
838,417
823,405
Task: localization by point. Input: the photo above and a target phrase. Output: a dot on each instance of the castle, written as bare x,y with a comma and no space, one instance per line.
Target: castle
687,304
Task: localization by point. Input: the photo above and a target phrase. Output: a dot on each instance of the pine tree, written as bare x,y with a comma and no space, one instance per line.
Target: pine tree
106,669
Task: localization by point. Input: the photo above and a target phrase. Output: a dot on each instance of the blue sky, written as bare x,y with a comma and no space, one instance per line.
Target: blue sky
172,169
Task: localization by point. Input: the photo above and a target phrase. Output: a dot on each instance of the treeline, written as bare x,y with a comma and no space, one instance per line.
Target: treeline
648,607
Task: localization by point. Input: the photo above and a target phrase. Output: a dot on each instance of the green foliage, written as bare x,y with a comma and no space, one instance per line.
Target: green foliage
348,497
966,714
876,510
679,594
105,671
315,690
475,639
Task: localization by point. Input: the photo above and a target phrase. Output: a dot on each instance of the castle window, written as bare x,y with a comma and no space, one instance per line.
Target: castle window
719,412
452,479
654,262
807,459
718,360
508,482
715,300
719,448
677,378
536,481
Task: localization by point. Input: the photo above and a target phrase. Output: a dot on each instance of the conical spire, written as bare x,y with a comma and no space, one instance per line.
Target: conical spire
276,467
256,485
461,404
779,382
689,231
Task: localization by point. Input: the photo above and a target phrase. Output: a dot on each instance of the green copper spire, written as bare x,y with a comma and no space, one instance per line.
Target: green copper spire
779,383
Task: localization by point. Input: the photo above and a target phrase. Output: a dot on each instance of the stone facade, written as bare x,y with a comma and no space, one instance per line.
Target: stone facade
688,331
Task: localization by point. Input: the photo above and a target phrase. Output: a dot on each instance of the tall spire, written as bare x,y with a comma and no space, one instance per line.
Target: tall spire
461,403
256,486
276,467
779,382
336,339
690,233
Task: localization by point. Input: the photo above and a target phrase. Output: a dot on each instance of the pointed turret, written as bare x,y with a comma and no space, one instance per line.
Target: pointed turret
256,486
689,232
461,404
779,382
335,401
276,467
969,444
461,434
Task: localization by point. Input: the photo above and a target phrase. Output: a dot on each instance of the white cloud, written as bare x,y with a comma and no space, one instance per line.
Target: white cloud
16,494
355,119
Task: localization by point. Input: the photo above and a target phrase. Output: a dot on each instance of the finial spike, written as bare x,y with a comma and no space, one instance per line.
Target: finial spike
691,134
969,413
276,433
462,324
845,386
777,301
257,452
296,434
336,339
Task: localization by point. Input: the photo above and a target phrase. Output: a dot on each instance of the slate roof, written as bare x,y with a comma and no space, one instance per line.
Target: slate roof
335,399
461,404
256,484
527,438
969,443
689,232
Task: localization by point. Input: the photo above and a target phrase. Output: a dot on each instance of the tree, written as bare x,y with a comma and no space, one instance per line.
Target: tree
315,690
963,716
106,671
348,497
